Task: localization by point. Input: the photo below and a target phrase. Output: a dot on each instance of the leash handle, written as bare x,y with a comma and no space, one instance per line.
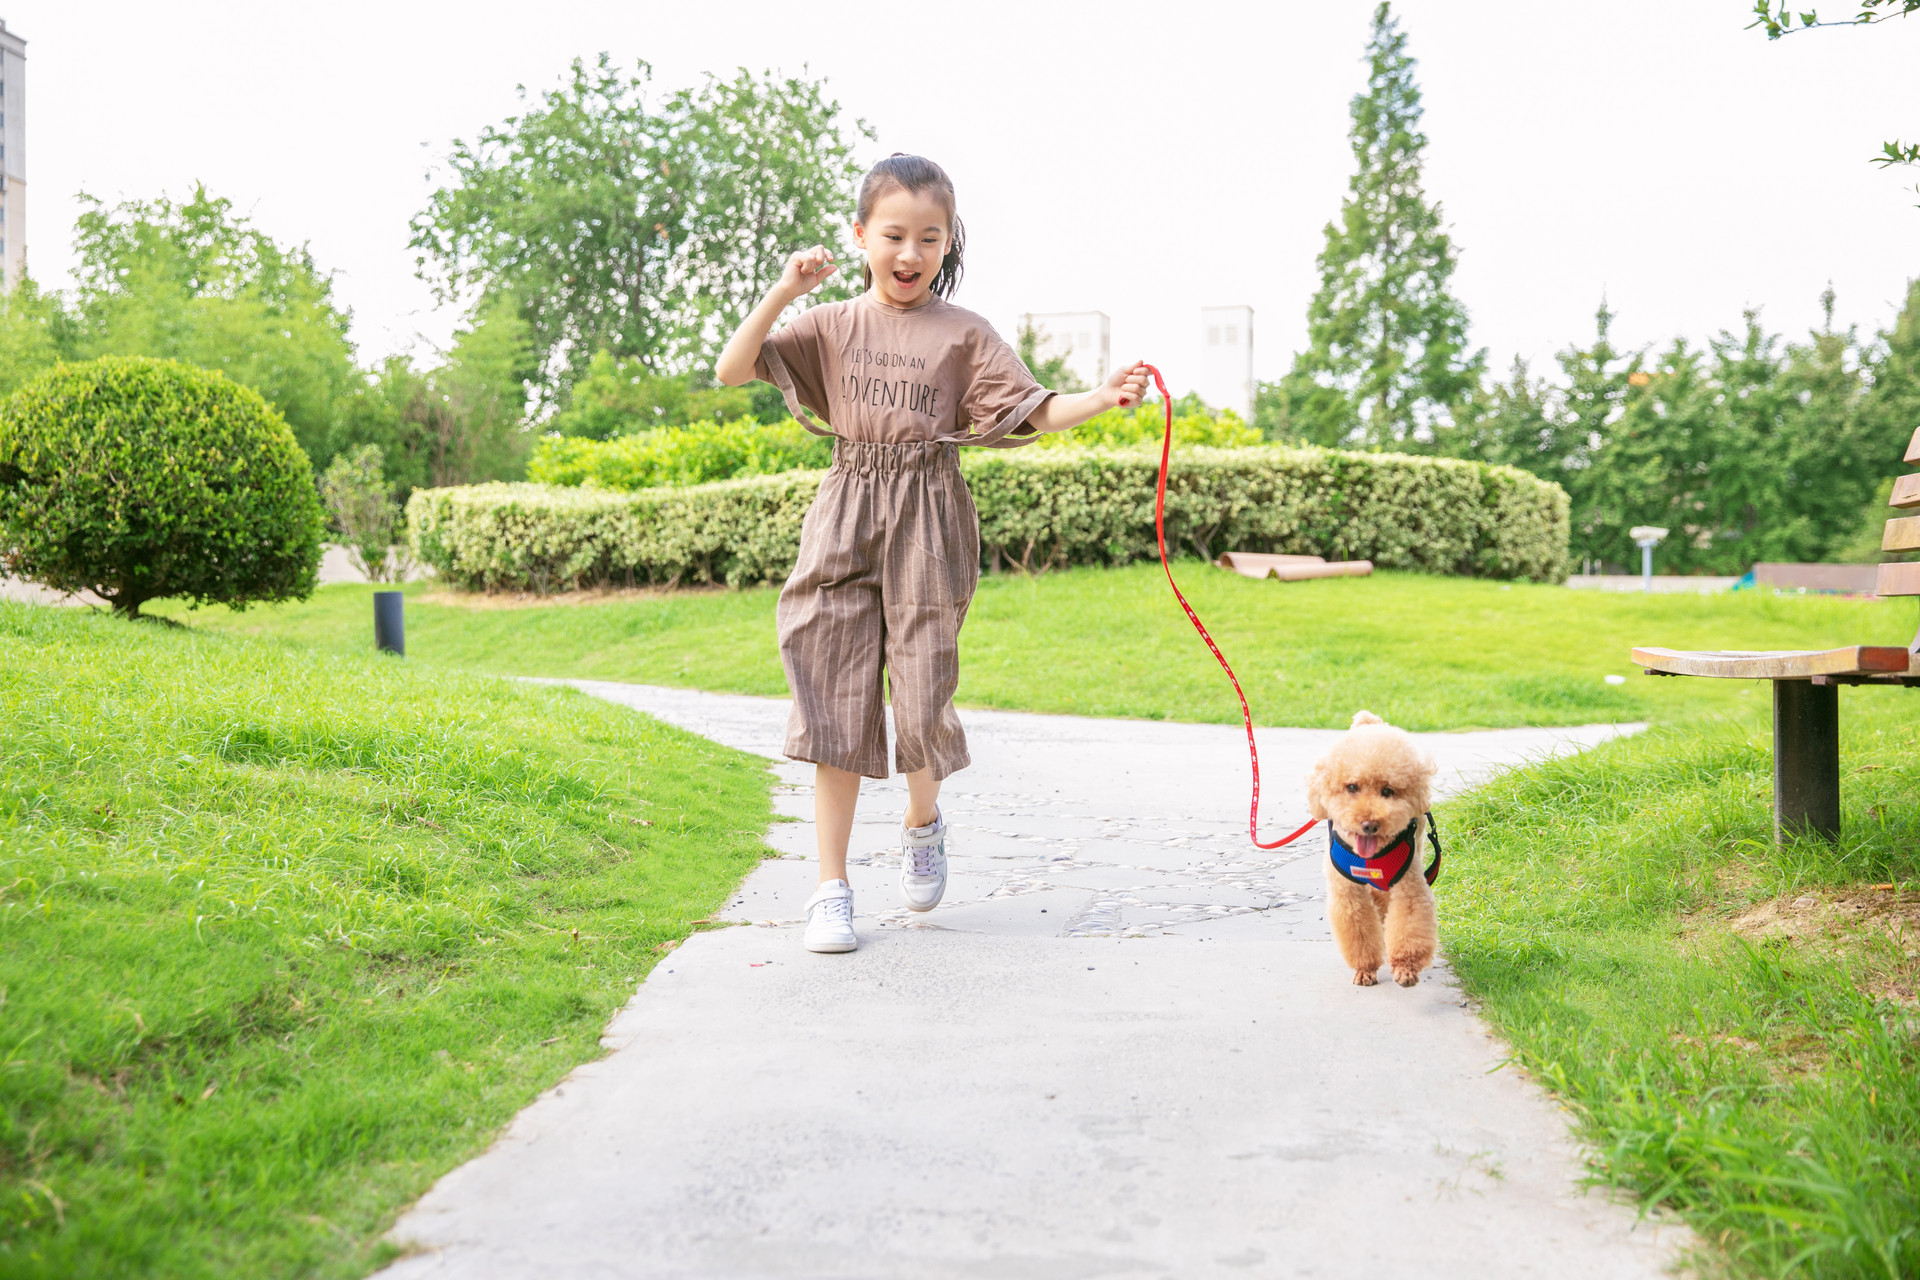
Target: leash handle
1246,714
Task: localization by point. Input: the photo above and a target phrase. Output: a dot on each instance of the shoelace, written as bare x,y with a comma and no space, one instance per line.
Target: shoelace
921,857
837,909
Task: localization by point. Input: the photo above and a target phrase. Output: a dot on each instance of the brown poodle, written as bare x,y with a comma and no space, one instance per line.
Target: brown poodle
1374,788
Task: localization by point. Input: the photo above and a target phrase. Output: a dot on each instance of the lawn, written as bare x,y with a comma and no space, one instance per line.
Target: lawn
1733,1023
285,935
1425,652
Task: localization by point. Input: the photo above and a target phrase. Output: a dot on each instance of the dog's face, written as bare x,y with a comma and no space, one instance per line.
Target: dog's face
1372,785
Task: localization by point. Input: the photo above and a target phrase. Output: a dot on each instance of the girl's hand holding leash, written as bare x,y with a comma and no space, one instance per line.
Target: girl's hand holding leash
1129,386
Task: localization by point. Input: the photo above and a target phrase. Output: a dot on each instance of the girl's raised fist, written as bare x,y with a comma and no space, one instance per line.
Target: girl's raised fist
806,269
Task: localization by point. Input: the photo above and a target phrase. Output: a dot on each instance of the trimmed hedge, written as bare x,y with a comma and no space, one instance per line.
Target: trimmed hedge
139,479
1038,510
698,453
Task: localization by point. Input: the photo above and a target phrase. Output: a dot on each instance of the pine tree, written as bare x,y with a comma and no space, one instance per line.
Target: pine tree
1386,362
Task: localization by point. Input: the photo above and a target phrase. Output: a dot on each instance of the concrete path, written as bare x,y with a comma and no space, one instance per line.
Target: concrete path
1123,1046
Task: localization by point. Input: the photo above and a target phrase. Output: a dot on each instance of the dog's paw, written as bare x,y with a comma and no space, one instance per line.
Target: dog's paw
1364,978
1406,975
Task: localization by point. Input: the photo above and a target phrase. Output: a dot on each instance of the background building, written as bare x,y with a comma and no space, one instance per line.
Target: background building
13,157
1082,337
1226,359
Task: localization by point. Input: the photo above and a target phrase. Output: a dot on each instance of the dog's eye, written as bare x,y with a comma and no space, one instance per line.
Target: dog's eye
1353,788
1387,792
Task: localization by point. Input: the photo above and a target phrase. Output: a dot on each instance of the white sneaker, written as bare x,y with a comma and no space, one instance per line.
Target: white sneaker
830,918
923,865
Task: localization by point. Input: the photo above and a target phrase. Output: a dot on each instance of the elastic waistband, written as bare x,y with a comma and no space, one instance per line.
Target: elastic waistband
867,457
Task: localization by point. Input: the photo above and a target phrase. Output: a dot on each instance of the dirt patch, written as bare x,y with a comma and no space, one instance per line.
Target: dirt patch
1835,913
530,600
1876,928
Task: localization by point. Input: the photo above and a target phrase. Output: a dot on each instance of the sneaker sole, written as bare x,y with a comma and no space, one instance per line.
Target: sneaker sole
830,948
911,905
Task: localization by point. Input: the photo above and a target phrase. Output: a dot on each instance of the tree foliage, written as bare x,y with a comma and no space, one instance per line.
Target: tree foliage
1751,448
643,232
194,281
1386,362
622,397
360,501
460,421
138,479
35,331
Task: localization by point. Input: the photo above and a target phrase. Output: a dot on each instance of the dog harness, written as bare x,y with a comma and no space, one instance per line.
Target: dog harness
1384,869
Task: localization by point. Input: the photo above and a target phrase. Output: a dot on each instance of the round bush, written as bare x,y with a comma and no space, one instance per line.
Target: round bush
139,479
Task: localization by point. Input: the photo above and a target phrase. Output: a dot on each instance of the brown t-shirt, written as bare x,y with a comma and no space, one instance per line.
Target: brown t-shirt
893,375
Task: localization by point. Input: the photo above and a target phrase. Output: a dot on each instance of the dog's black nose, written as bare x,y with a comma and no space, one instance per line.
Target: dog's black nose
1370,828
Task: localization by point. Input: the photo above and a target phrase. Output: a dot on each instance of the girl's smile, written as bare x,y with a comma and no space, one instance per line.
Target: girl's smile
905,238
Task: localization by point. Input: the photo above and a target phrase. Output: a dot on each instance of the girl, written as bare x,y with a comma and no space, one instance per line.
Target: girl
890,551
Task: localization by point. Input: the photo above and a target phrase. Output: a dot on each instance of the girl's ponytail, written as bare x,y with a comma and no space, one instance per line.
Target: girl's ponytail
903,172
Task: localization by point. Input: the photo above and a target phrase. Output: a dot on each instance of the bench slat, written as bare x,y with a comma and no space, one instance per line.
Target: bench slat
1913,447
1898,580
1776,664
1906,491
1903,534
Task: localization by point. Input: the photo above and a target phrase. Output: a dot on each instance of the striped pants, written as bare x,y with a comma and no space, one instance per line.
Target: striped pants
889,559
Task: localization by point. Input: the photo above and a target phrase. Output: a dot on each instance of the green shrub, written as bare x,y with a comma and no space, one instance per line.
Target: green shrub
622,397
138,479
1146,425
1037,510
695,454
354,487
702,452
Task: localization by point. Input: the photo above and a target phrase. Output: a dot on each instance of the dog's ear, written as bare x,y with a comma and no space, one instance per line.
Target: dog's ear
1426,769
1317,791
1364,717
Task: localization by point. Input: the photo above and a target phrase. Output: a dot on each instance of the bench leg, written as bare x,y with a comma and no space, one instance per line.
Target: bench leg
1806,759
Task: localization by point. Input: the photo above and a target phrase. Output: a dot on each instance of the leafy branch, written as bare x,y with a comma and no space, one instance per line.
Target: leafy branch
1777,19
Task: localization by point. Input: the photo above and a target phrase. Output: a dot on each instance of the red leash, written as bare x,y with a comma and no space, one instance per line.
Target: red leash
1160,531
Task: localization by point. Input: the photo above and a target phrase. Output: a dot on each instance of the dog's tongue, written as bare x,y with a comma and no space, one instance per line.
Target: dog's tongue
1367,846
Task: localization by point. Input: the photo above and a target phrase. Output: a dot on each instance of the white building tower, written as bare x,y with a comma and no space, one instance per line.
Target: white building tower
1083,337
13,158
1226,359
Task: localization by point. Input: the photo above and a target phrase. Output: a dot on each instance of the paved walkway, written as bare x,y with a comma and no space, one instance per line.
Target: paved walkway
1123,1046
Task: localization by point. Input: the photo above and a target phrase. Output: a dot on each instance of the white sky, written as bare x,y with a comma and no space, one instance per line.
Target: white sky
1144,160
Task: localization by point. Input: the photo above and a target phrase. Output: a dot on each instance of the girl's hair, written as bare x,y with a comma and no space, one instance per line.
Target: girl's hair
915,174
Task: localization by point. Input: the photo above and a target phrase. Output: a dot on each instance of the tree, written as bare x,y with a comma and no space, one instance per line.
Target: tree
1386,362
639,232
1052,374
195,282
35,332
358,497
623,397
461,421
765,169
1514,423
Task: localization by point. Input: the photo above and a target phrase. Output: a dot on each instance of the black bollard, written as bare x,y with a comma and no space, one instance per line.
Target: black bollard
389,624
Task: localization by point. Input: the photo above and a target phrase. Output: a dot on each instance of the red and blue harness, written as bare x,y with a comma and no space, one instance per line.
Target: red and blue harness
1384,869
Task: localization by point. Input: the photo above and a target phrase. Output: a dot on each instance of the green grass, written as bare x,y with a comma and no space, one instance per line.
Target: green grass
283,935
1765,1087
1426,653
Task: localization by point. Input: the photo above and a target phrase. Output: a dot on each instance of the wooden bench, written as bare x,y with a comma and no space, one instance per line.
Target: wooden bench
1806,685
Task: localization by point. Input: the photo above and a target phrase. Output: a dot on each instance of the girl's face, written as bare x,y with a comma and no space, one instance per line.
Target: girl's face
905,236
